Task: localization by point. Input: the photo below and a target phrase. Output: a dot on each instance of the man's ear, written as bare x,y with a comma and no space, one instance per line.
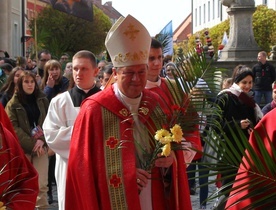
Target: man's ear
97,71
114,74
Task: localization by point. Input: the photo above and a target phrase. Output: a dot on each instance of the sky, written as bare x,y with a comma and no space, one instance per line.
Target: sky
154,14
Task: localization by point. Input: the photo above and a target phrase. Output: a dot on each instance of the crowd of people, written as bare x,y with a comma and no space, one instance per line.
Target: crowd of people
85,125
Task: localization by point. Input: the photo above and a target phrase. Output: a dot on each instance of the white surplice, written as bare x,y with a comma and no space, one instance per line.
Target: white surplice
58,127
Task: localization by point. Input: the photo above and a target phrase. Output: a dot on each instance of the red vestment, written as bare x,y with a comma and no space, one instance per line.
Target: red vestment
102,176
18,178
266,130
5,120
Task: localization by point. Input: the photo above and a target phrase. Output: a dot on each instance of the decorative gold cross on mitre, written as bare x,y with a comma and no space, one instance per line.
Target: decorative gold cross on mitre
131,32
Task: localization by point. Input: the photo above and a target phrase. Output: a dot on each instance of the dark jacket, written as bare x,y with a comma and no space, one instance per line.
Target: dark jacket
264,76
59,88
234,110
267,108
39,71
3,78
20,121
4,98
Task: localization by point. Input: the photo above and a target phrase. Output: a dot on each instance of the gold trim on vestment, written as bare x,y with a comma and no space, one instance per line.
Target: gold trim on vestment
144,110
124,112
113,160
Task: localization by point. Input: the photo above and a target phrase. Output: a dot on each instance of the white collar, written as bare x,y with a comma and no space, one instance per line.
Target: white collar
151,84
131,103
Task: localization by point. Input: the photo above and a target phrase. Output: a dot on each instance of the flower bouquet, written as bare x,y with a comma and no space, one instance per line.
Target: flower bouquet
166,138
163,135
164,142
178,122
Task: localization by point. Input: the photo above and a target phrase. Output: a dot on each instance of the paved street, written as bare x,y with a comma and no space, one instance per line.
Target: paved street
194,199
54,205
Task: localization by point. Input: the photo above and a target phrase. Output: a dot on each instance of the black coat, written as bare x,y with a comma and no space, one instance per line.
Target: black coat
233,110
264,76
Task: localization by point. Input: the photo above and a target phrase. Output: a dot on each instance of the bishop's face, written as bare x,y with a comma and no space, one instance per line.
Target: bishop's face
131,80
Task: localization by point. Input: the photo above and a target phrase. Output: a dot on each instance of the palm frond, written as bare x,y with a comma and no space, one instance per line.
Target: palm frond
256,177
200,81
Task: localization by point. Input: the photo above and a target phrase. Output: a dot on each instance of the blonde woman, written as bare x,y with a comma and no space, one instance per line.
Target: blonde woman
53,82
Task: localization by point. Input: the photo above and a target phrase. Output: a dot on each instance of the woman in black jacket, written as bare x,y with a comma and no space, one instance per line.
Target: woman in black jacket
237,106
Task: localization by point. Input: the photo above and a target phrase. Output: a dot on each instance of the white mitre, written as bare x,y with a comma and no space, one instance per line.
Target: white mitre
128,42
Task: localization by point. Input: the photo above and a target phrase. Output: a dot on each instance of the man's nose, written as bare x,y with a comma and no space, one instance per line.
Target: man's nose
135,76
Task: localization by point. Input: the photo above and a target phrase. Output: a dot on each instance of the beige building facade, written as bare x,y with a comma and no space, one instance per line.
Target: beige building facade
11,27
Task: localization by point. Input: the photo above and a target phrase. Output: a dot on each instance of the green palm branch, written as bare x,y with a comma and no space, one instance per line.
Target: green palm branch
257,167
256,176
197,78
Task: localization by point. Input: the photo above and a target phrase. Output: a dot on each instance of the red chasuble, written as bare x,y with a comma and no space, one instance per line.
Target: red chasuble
5,120
18,178
267,122
101,175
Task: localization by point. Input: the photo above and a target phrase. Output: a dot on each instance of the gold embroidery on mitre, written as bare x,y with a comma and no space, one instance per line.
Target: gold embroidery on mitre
124,58
131,32
124,112
144,110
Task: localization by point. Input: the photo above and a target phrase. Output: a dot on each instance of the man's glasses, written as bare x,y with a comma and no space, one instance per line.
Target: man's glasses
44,60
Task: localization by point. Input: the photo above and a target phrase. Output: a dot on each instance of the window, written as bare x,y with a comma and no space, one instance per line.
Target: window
218,8
199,15
15,38
213,9
209,11
204,13
195,17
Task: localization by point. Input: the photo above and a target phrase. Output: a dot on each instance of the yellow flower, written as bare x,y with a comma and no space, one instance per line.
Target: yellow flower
2,207
177,133
166,139
160,134
166,150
